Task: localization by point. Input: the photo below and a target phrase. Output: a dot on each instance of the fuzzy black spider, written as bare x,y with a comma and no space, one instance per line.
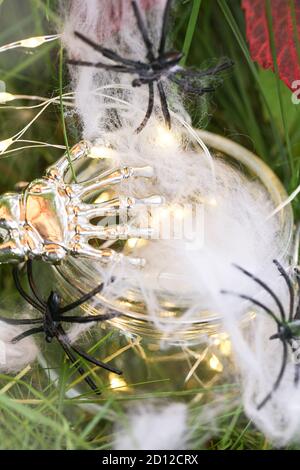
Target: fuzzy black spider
52,317
288,326
159,66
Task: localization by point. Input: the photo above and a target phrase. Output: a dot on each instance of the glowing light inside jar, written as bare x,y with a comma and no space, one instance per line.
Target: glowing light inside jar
117,382
215,364
100,151
225,347
165,137
132,242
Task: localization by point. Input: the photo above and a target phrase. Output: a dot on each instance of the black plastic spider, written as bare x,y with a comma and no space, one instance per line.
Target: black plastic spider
50,322
163,65
288,326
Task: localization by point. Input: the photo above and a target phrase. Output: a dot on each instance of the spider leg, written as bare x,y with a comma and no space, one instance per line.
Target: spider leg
19,287
164,104
188,87
30,332
143,31
163,35
32,284
20,321
85,355
279,377
294,349
94,361
290,287
265,287
297,314
149,109
108,53
207,89
82,299
100,65
255,302
297,374
88,319
203,73
63,341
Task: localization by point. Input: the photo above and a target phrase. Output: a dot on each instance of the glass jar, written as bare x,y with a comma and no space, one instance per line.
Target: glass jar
170,362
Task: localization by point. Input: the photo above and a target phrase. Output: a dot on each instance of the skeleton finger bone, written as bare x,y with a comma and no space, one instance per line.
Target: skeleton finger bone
114,207
105,255
111,178
51,220
121,232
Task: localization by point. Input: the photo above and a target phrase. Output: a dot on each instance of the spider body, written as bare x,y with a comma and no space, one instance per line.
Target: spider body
159,66
287,323
50,323
156,70
288,331
51,317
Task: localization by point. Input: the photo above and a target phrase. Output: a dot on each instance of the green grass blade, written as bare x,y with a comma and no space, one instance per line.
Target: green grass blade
282,109
190,30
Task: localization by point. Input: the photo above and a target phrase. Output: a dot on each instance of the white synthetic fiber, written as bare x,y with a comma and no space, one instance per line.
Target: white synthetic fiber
153,426
234,231
13,357
204,420
235,228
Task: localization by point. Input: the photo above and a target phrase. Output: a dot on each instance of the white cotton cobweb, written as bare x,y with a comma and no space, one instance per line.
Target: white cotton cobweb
13,357
153,426
172,426
192,272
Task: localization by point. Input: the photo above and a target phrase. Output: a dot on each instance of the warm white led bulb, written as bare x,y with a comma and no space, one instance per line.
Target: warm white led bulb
5,97
117,382
30,43
4,144
33,42
100,151
165,137
215,364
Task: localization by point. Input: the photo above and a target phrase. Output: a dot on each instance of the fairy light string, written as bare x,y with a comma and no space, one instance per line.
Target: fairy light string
30,43
27,43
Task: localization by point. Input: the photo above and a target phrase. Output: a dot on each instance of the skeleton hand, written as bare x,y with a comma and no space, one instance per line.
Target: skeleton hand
51,220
